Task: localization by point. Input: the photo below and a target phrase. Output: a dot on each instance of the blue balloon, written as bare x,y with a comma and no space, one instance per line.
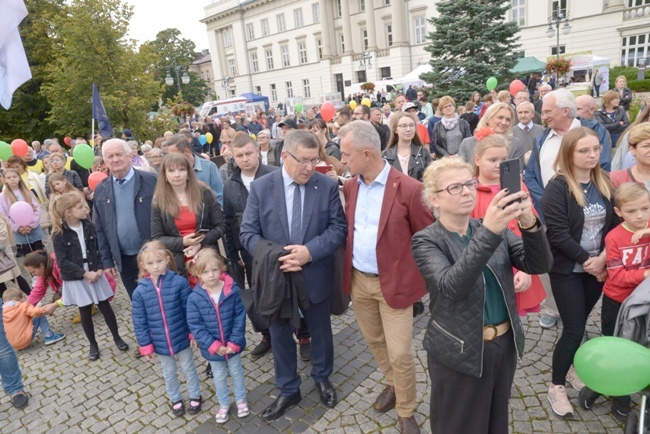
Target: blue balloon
202,139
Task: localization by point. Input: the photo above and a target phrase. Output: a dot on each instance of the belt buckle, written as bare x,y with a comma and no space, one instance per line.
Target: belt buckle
496,333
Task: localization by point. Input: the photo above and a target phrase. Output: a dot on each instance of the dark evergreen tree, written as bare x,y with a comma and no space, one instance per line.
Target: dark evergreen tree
472,41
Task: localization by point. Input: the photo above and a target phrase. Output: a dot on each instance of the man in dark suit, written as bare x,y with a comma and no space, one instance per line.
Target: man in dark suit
301,209
384,208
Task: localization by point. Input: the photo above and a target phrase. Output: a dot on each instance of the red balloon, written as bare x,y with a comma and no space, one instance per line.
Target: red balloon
67,140
327,111
95,178
516,86
19,148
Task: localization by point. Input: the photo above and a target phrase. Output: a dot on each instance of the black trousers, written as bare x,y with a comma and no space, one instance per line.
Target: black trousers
575,294
129,273
22,284
461,403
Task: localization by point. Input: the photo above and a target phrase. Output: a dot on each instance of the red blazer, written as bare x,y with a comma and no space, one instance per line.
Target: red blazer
403,213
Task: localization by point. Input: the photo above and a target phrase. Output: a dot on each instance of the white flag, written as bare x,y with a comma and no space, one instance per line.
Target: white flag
14,69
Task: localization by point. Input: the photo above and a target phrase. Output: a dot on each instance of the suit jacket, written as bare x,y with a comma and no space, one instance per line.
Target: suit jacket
323,225
403,213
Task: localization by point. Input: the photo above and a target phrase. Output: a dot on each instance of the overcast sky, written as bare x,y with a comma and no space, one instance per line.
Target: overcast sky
152,16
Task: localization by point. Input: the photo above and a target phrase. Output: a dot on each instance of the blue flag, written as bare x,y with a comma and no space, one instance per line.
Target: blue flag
99,114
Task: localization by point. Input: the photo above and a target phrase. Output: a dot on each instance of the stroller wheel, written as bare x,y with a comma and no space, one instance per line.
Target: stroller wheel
632,423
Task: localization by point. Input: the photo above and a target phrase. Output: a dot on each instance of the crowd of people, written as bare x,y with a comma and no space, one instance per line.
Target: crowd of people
282,221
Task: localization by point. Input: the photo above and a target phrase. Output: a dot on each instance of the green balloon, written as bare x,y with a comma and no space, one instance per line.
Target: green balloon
298,108
84,155
613,366
491,83
5,151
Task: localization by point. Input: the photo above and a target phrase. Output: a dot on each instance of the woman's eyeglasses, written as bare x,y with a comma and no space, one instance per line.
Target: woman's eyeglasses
457,188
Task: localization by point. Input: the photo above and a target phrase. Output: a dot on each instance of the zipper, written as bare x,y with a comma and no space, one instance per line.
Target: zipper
483,319
512,324
164,317
460,341
216,308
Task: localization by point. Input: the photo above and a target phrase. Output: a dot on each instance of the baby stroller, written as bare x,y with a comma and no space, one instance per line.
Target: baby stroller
633,323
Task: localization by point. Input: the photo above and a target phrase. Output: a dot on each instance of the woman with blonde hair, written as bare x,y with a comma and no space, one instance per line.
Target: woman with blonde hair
638,139
612,115
498,118
578,212
624,92
449,132
405,151
623,159
185,214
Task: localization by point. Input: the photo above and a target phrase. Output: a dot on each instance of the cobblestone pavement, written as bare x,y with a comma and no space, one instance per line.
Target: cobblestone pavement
122,394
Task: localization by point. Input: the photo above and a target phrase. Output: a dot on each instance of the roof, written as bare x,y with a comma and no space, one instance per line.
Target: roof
203,57
528,64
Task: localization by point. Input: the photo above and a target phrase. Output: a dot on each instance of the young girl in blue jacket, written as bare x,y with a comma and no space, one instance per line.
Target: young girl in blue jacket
217,320
159,305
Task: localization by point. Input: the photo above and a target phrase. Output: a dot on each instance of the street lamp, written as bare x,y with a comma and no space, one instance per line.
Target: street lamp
550,32
365,62
170,81
226,84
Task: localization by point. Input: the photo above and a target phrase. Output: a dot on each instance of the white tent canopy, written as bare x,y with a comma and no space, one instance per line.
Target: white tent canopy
413,77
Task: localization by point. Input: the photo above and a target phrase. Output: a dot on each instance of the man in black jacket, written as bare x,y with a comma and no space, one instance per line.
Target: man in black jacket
382,130
249,167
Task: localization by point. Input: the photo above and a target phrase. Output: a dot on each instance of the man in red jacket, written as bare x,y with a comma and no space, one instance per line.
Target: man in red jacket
384,209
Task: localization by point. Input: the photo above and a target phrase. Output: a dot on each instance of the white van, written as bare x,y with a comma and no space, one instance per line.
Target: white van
223,107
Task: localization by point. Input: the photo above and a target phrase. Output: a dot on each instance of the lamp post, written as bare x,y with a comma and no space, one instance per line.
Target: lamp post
226,84
170,81
365,62
550,32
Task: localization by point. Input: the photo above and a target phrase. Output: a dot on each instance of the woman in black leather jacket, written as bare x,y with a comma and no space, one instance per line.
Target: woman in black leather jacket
404,150
474,334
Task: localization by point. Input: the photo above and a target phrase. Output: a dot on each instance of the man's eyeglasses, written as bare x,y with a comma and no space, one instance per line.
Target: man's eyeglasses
313,162
457,188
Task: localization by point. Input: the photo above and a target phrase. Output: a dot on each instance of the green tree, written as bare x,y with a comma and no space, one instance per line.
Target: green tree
472,41
172,50
27,117
92,48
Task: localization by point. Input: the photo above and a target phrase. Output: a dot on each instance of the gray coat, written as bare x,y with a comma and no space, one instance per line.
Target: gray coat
633,320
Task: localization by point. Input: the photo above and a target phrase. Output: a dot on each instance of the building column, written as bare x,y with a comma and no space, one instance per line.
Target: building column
326,25
347,31
221,50
398,9
372,31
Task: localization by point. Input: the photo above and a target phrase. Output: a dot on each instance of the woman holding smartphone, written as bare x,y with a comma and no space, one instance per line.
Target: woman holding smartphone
185,214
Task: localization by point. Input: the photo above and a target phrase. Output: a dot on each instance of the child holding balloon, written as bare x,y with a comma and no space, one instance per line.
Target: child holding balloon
20,207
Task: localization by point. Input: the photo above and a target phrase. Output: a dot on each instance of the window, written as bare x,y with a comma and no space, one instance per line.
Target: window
258,90
339,9
634,48
519,54
632,3
420,30
364,38
319,44
297,17
389,35
250,32
519,12
289,89
302,50
281,26
384,72
554,50
342,44
265,27
305,89
227,38
386,2
232,67
269,60
558,7
285,56
274,93
254,64
362,5
315,10
361,76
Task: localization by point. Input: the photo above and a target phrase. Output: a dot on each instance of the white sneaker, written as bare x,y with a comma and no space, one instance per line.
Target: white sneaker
222,415
574,380
559,401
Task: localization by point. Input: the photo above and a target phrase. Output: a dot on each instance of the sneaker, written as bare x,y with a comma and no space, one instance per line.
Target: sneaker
621,407
208,370
305,349
242,409
19,400
587,397
262,348
54,338
547,321
559,401
76,319
574,380
222,416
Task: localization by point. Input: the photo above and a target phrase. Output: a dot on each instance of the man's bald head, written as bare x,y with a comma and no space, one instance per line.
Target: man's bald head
586,106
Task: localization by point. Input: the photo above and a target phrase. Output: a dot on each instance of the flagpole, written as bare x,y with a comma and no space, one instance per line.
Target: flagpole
92,136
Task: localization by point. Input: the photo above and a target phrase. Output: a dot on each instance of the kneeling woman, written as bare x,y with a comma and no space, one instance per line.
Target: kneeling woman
474,334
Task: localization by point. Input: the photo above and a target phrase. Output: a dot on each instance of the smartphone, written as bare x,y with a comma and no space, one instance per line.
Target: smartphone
323,169
510,176
203,231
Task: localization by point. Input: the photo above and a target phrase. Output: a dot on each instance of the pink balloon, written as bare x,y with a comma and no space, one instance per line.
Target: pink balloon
95,178
19,148
21,213
516,86
327,111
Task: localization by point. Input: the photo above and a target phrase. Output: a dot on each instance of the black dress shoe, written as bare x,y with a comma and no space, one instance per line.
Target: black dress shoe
327,393
280,405
121,345
94,354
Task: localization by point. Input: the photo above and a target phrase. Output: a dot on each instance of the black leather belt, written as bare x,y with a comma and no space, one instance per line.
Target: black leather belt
369,275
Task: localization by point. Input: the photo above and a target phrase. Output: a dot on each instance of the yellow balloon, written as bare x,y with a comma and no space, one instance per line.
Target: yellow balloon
92,142
253,136
353,104
209,137
366,102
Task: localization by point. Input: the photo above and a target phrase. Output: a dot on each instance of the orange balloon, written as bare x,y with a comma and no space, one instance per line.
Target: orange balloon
327,111
19,148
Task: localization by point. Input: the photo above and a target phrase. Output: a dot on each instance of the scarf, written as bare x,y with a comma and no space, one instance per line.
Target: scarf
449,124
